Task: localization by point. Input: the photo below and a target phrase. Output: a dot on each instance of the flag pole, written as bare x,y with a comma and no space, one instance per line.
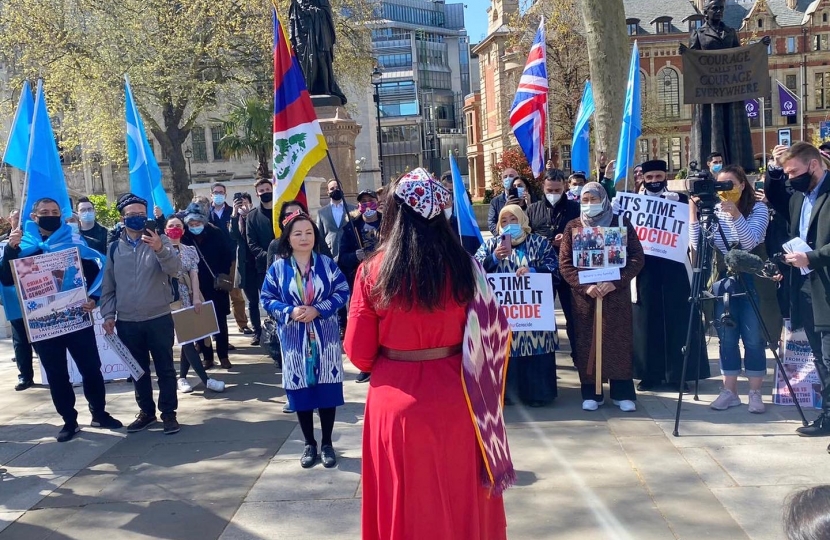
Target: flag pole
763,132
345,204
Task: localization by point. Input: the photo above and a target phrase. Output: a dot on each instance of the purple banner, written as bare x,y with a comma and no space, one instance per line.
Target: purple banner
788,101
752,107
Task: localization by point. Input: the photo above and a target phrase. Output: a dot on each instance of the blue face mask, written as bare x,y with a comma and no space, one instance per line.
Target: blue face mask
513,229
135,223
508,183
197,230
87,217
218,199
716,168
74,227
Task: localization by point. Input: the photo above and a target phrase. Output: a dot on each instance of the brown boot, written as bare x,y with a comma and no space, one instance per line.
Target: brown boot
208,352
225,363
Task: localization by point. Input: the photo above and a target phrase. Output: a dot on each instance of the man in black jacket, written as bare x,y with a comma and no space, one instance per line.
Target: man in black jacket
548,218
259,229
809,213
246,273
81,344
93,232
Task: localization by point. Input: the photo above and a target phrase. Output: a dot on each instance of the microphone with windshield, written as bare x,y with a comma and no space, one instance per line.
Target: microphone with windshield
738,261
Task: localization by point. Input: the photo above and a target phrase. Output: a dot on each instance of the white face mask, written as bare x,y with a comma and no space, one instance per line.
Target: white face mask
591,209
553,198
448,213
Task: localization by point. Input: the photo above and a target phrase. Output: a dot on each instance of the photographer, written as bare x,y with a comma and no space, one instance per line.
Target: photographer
742,222
810,221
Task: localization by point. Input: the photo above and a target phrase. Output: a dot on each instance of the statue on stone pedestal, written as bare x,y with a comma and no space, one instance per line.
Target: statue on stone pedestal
720,127
311,31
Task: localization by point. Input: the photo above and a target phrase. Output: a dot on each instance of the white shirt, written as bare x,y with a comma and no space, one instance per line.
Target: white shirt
337,212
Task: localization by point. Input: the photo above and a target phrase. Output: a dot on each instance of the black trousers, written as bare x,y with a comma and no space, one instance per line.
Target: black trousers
252,293
84,350
820,343
22,350
153,337
620,390
563,291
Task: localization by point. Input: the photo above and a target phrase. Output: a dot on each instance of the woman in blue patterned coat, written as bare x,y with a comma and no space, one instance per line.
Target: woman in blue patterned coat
303,291
531,373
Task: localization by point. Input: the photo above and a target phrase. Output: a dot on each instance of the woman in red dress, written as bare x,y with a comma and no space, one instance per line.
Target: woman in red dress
435,455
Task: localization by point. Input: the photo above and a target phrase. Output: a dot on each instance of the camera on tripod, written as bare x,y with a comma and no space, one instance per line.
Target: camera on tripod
702,184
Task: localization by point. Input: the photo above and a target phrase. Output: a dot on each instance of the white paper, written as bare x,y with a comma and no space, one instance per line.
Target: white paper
527,301
797,245
599,275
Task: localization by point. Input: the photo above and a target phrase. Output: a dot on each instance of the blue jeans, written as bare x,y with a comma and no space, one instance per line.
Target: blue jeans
748,329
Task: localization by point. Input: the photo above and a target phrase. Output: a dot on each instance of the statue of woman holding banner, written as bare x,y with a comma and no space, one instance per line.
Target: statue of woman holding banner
720,127
614,361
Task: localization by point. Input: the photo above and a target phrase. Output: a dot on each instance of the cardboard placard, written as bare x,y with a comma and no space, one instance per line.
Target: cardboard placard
191,326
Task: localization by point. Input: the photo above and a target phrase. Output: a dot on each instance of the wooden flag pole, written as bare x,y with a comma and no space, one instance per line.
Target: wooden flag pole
598,318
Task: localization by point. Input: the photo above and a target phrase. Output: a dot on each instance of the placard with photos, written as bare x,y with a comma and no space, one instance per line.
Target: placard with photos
599,247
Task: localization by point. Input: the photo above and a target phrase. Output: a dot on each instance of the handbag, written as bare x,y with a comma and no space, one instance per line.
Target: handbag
221,282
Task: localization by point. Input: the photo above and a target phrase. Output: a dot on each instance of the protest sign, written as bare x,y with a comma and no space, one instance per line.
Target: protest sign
527,301
799,367
113,366
52,293
599,275
662,225
726,75
191,326
599,247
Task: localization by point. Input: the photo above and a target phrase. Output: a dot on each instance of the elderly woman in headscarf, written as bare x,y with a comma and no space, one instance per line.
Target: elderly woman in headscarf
617,333
531,373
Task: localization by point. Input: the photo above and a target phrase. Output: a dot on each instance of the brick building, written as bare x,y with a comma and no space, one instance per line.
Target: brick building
799,59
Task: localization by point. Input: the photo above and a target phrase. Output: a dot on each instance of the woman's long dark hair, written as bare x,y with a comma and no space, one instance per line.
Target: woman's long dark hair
747,201
284,212
807,514
418,259
284,249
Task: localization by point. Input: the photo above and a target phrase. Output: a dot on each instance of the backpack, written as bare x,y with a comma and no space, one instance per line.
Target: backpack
174,282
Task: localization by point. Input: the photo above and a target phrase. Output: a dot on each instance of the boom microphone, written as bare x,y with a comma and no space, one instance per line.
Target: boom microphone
738,260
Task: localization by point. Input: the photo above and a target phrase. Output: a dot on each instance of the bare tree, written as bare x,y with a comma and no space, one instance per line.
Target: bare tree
609,52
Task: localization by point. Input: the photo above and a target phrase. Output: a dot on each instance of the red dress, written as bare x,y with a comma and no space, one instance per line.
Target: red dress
421,461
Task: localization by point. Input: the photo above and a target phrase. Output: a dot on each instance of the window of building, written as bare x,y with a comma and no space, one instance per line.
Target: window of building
395,60
633,28
664,27
215,137
824,17
643,147
668,92
565,154
694,24
760,23
670,150
470,132
197,137
821,43
822,90
791,45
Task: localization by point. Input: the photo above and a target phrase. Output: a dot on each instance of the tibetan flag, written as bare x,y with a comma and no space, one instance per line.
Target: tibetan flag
17,149
145,174
298,140
44,174
529,113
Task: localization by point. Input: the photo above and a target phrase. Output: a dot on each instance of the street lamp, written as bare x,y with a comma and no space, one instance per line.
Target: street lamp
188,154
377,78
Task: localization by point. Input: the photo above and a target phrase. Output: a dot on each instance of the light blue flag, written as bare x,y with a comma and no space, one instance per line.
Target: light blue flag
580,158
463,210
632,125
44,174
17,149
145,175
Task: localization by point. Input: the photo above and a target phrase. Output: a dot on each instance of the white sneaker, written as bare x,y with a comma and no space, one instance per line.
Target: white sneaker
756,402
591,404
725,400
184,386
626,405
216,386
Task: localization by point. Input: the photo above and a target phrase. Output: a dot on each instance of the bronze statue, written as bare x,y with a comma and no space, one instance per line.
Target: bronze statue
720,127
311,30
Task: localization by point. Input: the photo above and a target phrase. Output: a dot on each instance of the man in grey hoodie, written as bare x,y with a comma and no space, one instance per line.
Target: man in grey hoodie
135,300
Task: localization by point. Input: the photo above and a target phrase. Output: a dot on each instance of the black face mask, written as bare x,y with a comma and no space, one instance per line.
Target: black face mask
336,195
655,187
801,182
49,223
266,197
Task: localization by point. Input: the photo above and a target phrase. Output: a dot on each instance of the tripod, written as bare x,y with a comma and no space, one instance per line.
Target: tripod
705,242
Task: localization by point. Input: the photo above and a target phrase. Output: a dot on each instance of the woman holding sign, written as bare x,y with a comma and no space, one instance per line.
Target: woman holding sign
531,374
616,329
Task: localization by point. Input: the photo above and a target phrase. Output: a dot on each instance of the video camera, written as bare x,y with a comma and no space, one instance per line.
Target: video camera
702,184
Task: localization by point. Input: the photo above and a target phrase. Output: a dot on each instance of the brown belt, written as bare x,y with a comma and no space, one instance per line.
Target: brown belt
421,354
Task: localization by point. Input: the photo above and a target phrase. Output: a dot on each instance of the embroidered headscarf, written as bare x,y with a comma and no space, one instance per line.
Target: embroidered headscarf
603,219
425,196
524,223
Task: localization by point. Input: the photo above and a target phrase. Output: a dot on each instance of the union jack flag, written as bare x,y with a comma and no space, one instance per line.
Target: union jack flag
529,113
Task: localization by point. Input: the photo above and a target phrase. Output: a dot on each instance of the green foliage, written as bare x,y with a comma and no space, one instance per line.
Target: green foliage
105,212
488,196
513,158
248,131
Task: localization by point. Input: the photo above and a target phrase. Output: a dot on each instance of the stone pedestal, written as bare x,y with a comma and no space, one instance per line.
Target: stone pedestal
340,132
